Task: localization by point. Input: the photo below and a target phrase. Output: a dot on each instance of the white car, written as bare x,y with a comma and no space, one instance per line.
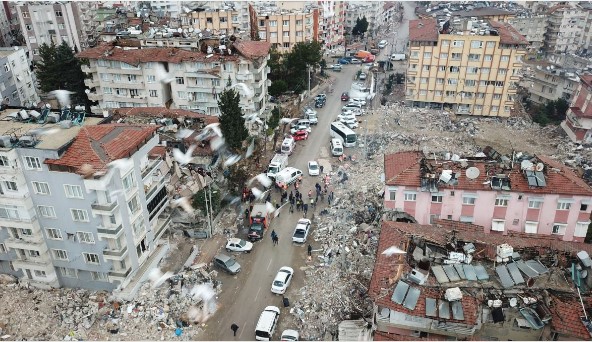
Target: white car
355,61
351,123
357,100
362,76
301,231
290,335
351,105
238,245
313,168
346,116
282,280
299,127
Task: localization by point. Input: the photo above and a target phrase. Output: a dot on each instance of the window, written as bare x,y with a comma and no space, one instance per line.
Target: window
470,83
40,274
85,237
454,69
99,276
501,202
153,93
485,70
151,78
4,161
79,215
452,81
26,15
179,80
469,200
456,56
494,109
442,68
286,34
426,68
473,57
414,54
443,56
273,23
91,258
583,207
490,44
9,186
581,229
299,34
32,163
488,58
29,27
436,198
505,58
439,81
60,254
423,80
128,181
445,42
41,188
563,205
467,219
286,45
427,55
53,233
498,225
46,211
559,228
182,95
438,92
61,26
502,71
68,272
134,205
273,34
392,194
530,227
410,196
423,92
286,22
472,70
73,191
476,44
480,95
458,43
497,96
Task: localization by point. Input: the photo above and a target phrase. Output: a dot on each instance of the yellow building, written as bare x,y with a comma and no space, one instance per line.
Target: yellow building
470,67
218,21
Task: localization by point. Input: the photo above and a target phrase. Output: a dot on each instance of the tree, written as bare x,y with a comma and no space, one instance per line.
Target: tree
232,124
274,119
277,88
361,26
199,201
276,67
296,63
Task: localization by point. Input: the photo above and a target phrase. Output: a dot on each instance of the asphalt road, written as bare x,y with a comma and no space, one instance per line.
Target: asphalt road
244,296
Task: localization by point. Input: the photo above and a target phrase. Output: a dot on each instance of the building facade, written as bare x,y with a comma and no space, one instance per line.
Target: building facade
549,82
533,28
471,68
176,78
372,10
578,121
17,86
69,21
218,21
566,29
331,22
545,198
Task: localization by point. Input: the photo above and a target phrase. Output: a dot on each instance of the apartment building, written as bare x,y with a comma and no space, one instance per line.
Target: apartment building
535,196
372,10
469,67
578,121
177,78
66,226
284,28
548,82
566,29
6,37
218,21
533,28
331,22
47,22
17,86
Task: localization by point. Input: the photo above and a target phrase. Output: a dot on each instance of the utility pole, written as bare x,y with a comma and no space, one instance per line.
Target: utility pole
308,66
211,209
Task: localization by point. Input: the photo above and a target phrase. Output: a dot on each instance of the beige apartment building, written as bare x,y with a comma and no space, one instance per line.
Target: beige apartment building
218,21
470,68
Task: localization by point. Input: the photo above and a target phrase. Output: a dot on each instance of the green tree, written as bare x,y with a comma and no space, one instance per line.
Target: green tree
561,107
274,119
232,124
296,63
361,26
277,88
275,64
199,201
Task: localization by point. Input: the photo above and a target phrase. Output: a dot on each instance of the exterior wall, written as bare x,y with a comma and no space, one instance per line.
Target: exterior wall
578,126
23,78
545,85
565,33
515,214
219,22
172,8
532,28
331,22
5,34
372,10
432,86
299,28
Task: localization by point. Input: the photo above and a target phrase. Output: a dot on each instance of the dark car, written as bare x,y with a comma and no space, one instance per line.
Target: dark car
345,97
320,103
300,135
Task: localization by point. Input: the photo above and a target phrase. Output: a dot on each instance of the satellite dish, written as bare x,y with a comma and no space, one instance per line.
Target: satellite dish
540,167
180,30
385,312
472,172
526,165
191,29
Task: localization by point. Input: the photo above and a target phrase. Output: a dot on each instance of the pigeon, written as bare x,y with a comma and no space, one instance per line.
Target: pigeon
216,143
392,250
286,121
162,75
257,193
183,202
250,149
262,178
123,164
87,170
183,158
44,131
269,207
157,278
63,96
214,127
233,159
248,92
184,133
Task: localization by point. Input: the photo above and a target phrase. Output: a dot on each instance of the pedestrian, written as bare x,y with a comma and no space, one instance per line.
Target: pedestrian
310,193
312,204
273,234
321,167
234,328
309,250
277,209
268,198
298,205
277,239
305,209
329,200
247,214
290,197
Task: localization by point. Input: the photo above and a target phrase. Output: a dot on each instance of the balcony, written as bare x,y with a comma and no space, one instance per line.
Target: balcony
152,167
115,253
91,83
10,221
85,68
244,77
104,207
161,225
30,242
38,263
110,231
120,273
150,189
9,170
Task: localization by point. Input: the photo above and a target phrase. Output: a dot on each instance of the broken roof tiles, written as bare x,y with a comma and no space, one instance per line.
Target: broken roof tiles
566,320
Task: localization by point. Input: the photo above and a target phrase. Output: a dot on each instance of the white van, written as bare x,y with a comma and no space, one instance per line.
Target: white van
267,323
336,147
398,57
288,146
287,176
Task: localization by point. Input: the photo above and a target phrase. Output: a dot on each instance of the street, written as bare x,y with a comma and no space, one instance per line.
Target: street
244,296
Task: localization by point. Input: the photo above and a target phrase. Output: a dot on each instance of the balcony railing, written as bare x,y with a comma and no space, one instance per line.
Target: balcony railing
108,207
109,231
120,274
115,252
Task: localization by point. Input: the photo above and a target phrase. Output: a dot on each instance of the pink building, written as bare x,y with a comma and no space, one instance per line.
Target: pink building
540,196
578,121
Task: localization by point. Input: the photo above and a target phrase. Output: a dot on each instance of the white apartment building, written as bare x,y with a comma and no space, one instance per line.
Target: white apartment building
63,227
134,78
331,22
372,10
5,30
47,22
566,29
533,28
17,85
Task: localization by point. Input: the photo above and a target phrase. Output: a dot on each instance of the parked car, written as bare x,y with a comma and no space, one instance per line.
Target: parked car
349,122
382,44
282,280
351,105
289,335
374,51
336,67
322,97
346,116
301,231
227,263
320,103
196,233
267,323
313,168
362,76
300,125
238,245
358,100
343,61
344,96
300,135
356,61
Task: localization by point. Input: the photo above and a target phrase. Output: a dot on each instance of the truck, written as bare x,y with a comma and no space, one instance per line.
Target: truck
277,164
259,221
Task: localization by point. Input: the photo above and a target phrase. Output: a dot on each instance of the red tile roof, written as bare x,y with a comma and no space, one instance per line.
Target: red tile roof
252,49
566,318
389,269
403,168
507,33
162,112
98,145
586,79
137,56
579,114
158,151
423,30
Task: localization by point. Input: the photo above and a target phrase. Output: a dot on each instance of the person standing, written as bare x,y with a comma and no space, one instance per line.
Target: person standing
305,209
234,328
321,168
309,250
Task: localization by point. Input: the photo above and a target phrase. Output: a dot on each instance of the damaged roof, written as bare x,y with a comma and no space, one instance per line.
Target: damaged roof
586,79
508,34
423,30
162,112
566,317
252,49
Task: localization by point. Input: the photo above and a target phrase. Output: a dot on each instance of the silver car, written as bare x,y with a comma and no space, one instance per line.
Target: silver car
227,263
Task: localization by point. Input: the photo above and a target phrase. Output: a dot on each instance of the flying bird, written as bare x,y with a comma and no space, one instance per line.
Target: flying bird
262,178
257,193
250,149
183,158
63,96
183,202
162,75
392,250
44,131
122,164
286,121
217,143
248,92
184,133
214,127
233,159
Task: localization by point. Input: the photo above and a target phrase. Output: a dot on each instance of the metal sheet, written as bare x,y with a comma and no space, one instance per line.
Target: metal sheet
443,309
537,266
540,177
515,273
457,311
412,298
529,271
470,272
504,276
400,292
440,274
431,308
481,272
460,271
451,272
